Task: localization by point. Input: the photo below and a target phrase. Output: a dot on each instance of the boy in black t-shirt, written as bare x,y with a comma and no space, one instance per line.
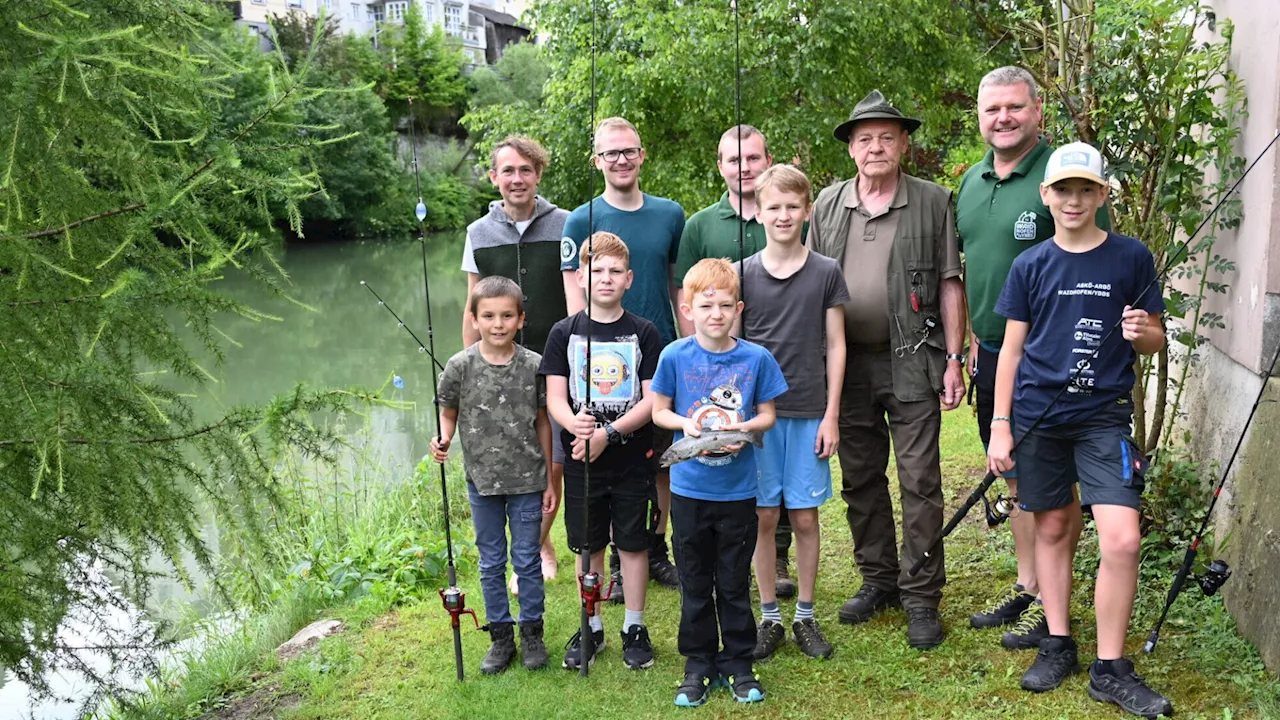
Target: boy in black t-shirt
1061,299
624,354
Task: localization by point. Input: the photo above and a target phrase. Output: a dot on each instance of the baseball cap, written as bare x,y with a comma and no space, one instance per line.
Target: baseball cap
1075,160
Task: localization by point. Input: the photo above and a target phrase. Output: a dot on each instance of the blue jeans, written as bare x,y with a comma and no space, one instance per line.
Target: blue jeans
490,515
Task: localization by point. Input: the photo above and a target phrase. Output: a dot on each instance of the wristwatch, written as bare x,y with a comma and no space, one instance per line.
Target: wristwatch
612,434
958,357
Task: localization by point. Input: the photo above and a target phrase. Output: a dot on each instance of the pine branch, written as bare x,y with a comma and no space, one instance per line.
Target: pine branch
136,441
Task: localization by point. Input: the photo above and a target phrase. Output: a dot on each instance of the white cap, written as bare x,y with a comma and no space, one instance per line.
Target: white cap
1075,160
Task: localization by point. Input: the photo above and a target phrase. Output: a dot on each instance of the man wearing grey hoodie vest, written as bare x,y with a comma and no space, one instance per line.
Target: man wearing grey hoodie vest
520,239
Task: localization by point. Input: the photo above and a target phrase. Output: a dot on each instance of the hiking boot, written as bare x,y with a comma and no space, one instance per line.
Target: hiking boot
1054,663
615,576
1126,688
693,690
1032,627
660,566
866,603
924,628
533,651
769,637
809,638
1004,610
746,688
637,650
783,585
573,650
502,650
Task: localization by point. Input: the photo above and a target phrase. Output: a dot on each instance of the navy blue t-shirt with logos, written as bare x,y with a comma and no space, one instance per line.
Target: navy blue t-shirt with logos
1072,301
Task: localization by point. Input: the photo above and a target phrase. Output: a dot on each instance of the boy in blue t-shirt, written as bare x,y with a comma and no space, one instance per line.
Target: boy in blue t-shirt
714,381
1061,299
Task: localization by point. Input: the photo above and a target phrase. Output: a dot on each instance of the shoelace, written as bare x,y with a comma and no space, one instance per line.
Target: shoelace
1030,619
1009,596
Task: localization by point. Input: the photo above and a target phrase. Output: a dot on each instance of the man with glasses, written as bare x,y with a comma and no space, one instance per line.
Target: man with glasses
651,227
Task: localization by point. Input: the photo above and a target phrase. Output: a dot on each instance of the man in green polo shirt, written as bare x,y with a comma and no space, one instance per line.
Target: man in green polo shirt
713,232
999,214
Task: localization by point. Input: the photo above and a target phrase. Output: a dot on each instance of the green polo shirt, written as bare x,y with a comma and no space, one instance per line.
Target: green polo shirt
712,232
996,219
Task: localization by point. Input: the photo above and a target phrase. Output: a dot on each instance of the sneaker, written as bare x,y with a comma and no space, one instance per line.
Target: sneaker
692,690
769,637
1032,627
615,577
1127,689
746,688
637,650
573,649
809,638
783,584
660,567
924,628
868,601
1004,610
1054,663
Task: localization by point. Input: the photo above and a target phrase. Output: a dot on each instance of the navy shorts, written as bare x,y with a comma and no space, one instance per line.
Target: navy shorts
1099,450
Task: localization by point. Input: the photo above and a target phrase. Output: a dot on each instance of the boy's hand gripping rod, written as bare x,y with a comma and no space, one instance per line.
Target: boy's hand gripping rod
980,491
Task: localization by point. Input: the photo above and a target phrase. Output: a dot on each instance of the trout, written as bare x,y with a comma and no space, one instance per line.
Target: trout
710,440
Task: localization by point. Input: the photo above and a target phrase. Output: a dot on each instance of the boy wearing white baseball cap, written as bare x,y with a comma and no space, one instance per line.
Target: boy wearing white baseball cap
1061,300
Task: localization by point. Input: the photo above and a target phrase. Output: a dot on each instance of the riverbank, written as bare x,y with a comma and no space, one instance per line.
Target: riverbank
399,664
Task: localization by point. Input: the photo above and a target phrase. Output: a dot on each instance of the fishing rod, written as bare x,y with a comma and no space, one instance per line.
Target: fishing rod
589,581
400,323
980,491
742,228
1218,571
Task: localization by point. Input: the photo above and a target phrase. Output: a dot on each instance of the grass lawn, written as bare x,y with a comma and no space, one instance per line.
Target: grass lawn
400,665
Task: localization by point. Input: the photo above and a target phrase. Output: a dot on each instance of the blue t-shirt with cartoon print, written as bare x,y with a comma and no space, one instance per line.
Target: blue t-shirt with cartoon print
716,389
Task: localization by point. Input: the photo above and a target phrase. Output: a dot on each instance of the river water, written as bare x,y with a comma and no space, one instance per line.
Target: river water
343,339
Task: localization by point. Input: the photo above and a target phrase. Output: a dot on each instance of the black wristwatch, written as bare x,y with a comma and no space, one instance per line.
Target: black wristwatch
612,434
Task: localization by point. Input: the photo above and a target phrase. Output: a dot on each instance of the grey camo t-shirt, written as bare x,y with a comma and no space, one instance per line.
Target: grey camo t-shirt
497,406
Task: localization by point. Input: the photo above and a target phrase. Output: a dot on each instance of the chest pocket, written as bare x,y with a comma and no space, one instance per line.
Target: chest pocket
922,283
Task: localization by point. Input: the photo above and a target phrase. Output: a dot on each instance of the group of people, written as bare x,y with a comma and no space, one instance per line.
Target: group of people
830,326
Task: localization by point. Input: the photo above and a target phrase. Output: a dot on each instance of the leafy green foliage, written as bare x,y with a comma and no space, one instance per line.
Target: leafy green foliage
419,63
518,77
669,68
146,152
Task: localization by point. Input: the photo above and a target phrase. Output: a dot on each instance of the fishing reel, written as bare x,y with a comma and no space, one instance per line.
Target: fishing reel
1000,510
1214,577
455,603
589,588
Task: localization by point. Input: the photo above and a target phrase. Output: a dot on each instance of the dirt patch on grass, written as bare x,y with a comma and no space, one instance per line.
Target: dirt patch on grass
265,703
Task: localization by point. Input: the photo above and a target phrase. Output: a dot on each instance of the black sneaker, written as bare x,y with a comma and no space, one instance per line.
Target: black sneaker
693,690
660,567
1054,663
1032,627
573,650
1127,689
866,603
809,638
924,628
783,585
1004,610
615,577
746,688
637,650
769,637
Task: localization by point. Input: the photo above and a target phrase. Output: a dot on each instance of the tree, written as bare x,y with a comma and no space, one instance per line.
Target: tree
517,77
669,68
133,174
1130,77
420,64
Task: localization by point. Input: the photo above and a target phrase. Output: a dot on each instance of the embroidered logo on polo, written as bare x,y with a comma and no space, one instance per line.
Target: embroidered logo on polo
1025,227
568,249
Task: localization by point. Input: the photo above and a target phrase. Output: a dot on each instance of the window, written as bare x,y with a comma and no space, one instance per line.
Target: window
395,11
295,3
428,13
259,2
355,12
375,14
453,19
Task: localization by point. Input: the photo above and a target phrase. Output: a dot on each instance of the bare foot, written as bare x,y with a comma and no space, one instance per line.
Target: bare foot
511,585
550,565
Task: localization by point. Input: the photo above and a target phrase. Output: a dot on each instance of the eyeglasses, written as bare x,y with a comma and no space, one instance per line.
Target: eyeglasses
612,156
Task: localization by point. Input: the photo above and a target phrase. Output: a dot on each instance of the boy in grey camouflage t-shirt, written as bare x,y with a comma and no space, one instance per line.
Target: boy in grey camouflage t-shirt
492,394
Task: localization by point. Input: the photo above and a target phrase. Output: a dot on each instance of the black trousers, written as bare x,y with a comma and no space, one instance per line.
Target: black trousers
713,544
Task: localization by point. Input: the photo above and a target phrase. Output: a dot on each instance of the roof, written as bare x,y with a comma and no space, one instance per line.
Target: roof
497,17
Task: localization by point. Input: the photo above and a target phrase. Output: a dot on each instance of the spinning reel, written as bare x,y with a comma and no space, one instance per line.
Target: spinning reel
1000,510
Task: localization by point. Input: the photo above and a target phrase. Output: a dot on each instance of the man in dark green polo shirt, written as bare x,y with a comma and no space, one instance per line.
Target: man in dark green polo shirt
712,232
999,214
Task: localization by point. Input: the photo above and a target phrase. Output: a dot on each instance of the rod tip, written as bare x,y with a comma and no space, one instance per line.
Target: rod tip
361,282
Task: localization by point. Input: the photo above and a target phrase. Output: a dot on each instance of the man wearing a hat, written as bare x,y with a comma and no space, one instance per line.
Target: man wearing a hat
894,235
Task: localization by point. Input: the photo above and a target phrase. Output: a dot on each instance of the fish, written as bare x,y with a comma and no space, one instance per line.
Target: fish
690,447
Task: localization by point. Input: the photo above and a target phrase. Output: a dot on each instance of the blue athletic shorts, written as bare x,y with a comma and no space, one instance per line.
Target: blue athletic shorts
789,468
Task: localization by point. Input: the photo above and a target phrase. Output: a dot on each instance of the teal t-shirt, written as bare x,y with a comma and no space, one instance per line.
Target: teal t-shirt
652,235
997,218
